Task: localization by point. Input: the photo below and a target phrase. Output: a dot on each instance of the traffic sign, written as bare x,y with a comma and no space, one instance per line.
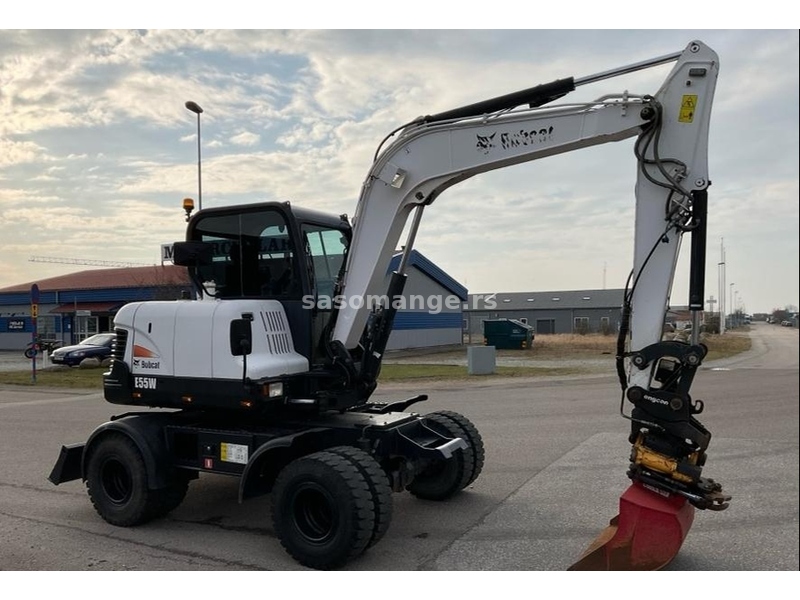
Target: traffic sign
35,332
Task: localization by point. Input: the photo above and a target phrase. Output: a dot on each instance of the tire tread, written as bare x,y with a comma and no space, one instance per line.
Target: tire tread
378,482
320,465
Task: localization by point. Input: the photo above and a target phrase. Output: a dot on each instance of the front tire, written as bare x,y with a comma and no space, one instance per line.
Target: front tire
323,510
473,438
445,478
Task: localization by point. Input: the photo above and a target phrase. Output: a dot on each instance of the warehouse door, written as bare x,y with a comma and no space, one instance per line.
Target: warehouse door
545,326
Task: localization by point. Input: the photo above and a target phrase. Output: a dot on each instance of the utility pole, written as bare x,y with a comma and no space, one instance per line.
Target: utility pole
721,286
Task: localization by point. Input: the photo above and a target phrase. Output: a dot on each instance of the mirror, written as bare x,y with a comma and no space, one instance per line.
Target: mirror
241,336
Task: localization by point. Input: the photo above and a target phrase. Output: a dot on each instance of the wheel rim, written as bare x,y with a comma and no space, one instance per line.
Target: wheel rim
313,513
116,480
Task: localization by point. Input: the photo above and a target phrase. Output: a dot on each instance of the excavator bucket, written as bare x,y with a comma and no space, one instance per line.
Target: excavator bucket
645,536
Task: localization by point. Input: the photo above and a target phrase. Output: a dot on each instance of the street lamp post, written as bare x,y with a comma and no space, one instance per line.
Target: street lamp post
732,309
195,108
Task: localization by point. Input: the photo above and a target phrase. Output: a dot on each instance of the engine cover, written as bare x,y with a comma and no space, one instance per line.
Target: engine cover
190,339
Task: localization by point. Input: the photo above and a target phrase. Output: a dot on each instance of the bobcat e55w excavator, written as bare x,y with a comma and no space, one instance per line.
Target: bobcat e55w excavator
270,373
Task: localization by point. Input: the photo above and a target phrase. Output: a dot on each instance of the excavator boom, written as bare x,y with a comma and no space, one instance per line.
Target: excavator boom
671,126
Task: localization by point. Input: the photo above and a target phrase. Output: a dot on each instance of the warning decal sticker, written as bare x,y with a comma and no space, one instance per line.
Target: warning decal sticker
688,106
235,453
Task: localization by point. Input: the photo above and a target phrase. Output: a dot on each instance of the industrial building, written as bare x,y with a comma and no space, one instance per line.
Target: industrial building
75,306
577,311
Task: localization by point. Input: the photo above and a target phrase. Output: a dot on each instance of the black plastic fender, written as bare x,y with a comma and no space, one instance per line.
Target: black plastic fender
268,460
69,465
148,432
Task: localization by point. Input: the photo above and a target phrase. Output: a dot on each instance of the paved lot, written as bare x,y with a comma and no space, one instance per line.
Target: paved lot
555,466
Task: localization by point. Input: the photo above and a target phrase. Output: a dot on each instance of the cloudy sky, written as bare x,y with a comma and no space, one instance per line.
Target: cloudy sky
97,149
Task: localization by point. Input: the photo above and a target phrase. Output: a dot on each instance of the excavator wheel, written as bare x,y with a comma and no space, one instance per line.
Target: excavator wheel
378,483
445,478
116,479
646,535
323,510
473,438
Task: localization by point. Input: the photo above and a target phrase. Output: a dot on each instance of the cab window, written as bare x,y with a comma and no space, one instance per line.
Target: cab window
252,255
326,249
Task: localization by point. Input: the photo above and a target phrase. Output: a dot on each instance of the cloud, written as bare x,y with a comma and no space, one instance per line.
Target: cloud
14,153
245,138
94,137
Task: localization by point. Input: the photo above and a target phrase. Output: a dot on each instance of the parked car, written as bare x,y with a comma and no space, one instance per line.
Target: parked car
97,346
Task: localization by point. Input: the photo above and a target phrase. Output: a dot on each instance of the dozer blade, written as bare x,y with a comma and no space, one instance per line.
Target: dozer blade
645,536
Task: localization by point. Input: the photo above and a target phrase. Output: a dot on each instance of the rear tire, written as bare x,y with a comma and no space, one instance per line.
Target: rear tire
445,478
116,478
379,487
323,510
166,500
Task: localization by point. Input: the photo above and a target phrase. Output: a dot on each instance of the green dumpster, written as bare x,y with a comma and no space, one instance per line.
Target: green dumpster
507,333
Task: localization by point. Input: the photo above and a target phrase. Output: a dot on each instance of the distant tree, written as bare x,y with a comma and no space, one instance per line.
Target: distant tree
780,314
711,324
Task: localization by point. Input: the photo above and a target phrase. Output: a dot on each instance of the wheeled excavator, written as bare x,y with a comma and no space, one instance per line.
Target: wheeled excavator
269,374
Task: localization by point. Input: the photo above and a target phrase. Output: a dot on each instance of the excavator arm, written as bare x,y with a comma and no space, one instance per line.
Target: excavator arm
435,152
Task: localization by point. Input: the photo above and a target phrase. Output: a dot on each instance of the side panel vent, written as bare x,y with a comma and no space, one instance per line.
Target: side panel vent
119,344
277,331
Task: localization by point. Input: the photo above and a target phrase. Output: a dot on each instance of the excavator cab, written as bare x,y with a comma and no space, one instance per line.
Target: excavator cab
270,251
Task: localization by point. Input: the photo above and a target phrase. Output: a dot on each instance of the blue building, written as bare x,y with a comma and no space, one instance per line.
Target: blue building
433,314
75,306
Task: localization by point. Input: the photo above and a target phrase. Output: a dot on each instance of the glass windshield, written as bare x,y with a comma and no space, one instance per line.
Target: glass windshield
252,255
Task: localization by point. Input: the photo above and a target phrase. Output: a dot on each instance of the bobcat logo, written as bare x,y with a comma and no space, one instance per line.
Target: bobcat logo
514,139
485,143
532,137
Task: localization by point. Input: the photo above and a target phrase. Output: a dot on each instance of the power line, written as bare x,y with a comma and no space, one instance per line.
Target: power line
85,261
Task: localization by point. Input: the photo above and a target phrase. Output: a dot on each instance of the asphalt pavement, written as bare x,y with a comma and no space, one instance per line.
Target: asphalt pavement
556,456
